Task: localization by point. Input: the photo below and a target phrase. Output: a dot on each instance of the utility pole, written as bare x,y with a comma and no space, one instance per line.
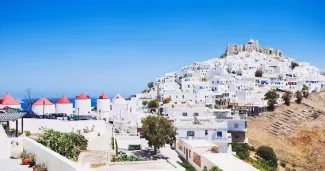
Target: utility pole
43,108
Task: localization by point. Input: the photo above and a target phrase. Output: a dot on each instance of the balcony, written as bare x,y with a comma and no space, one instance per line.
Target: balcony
193,138
232,117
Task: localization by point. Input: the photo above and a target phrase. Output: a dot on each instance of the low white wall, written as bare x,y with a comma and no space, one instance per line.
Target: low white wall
52,160
5,147
34,125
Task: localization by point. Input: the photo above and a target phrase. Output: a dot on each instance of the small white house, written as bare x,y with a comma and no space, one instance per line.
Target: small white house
43,106
64,105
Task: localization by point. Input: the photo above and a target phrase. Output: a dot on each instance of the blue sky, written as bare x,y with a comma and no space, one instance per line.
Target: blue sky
69,47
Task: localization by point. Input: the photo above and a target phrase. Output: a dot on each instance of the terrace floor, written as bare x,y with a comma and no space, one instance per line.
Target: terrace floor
13,165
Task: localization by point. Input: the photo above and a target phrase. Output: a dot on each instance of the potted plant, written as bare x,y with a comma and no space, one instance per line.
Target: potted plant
25,158
32,160
40,167
12,132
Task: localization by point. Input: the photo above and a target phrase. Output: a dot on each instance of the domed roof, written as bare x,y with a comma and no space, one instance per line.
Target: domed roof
82,96
42,101
103,96
7,99
63,100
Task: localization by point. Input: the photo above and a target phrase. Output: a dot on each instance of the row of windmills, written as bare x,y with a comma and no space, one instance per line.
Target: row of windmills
63,105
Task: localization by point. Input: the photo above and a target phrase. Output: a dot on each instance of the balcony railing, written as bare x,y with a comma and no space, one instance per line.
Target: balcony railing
193,138
232,117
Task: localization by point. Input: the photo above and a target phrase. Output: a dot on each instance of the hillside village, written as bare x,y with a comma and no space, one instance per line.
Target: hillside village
217,108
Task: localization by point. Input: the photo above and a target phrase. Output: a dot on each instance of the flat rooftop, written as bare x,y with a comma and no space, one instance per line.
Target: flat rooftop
146,166
199,143
228,162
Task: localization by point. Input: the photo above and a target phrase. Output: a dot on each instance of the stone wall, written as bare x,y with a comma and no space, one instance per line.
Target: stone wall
251,46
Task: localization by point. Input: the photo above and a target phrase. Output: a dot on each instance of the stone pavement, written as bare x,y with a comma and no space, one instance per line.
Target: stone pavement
13,165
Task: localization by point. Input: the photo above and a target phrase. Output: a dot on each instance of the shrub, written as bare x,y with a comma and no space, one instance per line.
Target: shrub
294,65
251,148
258,73
286,98
144,103
28,133
293,165
187,166
66,144
215,168
283,164
241,150
268,155
299,97
153,103
167,100
126,158
112,143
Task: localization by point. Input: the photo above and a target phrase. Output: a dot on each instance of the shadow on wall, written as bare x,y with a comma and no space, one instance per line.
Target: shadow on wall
5,147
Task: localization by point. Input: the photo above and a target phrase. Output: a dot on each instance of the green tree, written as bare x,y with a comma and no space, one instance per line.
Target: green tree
144,102
299,97
287,97
158,131
271,97
267,153
305,91
294,65
116,147
241,150
153,103
258,73
150,85
215,168
167,100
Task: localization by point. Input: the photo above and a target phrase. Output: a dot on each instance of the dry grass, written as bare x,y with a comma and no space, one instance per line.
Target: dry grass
294,147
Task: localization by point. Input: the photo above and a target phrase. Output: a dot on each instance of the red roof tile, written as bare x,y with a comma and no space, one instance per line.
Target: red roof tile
82,96
103,96
63,100
7,99
42,101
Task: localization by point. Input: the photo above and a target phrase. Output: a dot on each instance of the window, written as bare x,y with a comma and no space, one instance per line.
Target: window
190,133
236,125
219,134
196,114
206,132
184,114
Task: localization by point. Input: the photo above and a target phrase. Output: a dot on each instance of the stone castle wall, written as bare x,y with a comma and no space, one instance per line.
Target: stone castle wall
251,46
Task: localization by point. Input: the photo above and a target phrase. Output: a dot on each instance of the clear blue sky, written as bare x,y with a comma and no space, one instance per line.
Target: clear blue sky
69,47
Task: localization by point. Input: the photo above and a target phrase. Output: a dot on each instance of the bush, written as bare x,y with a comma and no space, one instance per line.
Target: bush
258,73
241,150
268,155
283,164
293,165
28,133
144,103
286,98
66,144
153,103
187,166
167,100
126,158
251,148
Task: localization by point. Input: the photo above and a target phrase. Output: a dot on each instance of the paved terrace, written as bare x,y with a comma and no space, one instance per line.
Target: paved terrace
13,165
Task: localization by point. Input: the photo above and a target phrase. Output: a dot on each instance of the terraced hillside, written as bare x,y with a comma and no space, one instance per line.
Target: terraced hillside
283,128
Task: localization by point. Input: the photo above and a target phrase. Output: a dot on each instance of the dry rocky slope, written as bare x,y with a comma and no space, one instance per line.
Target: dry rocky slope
295,132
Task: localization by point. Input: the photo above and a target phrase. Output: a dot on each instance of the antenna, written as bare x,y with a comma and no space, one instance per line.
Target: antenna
30,99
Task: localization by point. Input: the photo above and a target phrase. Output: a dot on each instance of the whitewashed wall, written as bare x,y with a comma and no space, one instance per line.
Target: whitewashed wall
34,125
84,106
64,108
52,160
5,147
38,109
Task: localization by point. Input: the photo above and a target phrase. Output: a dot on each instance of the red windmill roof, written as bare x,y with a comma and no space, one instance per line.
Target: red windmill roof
82,96
7,99
63,100
42,101
103,96
118,96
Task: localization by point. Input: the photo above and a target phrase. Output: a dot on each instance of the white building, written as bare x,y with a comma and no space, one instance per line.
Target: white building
43,106
8,101
82,104
64,105
205,154
103,103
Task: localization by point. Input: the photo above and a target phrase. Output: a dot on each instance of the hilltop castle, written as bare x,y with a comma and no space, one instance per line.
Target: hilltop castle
251,46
